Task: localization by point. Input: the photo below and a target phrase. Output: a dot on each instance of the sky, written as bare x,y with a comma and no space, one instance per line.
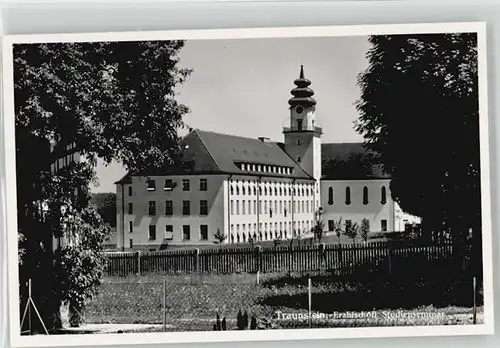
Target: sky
242,87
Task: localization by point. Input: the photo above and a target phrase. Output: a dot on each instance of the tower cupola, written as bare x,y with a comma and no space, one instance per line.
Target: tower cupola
302,94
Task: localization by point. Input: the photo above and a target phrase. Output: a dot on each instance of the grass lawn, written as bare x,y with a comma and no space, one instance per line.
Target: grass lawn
192,302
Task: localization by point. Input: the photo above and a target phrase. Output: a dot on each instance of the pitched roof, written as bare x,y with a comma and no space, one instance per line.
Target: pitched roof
354,160
208,152
226,151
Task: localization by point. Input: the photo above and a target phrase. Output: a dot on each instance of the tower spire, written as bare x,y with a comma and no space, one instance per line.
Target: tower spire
302,94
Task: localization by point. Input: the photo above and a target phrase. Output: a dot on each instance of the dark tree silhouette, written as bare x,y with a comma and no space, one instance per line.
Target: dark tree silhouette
113,101
419,114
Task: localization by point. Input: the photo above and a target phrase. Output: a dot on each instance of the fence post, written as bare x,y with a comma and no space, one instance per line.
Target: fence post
197,260
138,258
474,310
341,260
165,304
258,257
321,257
390,258
309,286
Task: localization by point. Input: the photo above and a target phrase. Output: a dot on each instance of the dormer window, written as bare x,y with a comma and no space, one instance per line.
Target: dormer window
253,167
169,185
259,169
243,167
151,185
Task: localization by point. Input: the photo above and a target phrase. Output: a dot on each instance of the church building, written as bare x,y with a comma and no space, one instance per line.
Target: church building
237,189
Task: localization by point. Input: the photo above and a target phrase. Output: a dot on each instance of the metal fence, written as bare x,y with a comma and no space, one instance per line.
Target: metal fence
180,303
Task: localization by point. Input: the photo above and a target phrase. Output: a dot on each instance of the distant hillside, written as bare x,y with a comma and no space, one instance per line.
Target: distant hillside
105,204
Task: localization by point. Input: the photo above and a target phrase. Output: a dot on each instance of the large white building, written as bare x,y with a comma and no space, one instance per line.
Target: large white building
246,188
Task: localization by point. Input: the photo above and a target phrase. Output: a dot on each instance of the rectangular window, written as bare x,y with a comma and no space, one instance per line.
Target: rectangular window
203,184
151,185
169,232
169,185
169,208
232,207
130,227
152,232
131,243
243,207
186,208
185,184
186,232
152,208
130,208
204,232
249,207
203,207
383,225
237,207
130,190
255,207
331,225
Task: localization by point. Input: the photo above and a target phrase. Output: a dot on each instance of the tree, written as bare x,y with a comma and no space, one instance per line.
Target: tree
351,230
109,100
318,229
105,204
338,228
220,237
427,136
277,241
364,229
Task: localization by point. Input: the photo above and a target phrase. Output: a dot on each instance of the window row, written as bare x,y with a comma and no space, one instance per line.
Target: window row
331,195
332,225
269,189
169,185
264,168
266,231
169,208
169,232
270,207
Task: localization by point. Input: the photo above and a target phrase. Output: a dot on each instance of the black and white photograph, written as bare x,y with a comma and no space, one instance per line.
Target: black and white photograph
329,181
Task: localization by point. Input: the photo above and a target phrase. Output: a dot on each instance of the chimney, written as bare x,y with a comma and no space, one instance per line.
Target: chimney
264,139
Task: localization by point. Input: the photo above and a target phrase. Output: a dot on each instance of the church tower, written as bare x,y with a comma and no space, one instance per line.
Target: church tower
303,134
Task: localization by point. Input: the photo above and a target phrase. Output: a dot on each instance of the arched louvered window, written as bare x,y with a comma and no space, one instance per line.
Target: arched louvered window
383,195
347,195
330,195
365,195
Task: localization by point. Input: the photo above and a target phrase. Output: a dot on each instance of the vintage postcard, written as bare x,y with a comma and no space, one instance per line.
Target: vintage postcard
248,184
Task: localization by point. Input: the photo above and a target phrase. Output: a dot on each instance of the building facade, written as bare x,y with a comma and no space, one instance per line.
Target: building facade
237,189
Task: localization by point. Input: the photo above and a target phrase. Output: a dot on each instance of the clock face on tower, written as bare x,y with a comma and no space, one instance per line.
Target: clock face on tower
299,109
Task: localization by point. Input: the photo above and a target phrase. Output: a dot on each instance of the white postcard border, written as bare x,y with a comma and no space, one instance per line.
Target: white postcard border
234,336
